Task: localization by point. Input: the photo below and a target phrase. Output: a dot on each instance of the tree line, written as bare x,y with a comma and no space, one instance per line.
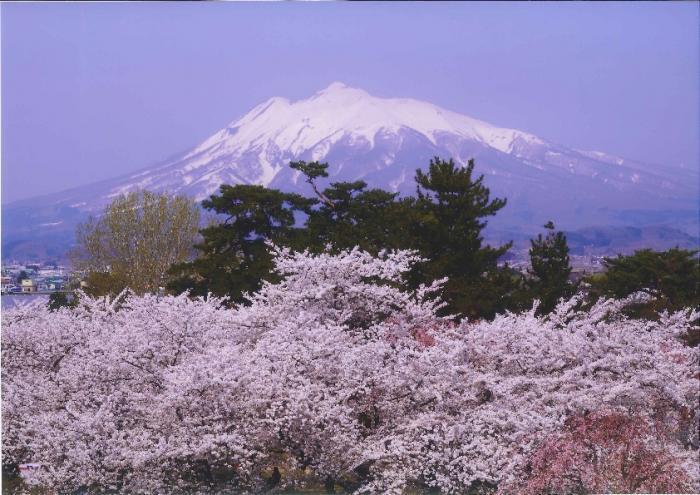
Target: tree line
146,241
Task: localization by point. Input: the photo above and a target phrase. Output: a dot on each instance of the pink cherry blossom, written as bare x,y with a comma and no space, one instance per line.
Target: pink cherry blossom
339,374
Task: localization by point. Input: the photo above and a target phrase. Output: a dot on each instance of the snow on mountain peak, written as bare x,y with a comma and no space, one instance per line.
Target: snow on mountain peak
339,89
338,112
335,86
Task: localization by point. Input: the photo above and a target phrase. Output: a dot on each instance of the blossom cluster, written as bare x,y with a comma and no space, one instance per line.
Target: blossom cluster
339,375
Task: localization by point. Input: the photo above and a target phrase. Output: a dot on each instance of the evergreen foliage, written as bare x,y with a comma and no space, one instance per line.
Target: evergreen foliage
672,276
349,215
550,269
450,211
59,300
234,258
443,223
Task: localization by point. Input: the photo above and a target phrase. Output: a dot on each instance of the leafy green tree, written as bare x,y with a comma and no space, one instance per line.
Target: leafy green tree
449,216
233,257
550,268
22,276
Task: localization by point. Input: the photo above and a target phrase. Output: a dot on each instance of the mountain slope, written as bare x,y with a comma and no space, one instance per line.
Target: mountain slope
383,141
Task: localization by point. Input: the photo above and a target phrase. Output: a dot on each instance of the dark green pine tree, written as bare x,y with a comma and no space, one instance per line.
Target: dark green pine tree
350,215
672,275
59,300
233,257
550,268
447,222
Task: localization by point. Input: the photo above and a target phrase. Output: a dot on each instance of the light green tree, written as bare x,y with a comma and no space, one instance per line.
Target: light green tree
134,242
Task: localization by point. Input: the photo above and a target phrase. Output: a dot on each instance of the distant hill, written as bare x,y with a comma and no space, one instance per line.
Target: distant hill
625,240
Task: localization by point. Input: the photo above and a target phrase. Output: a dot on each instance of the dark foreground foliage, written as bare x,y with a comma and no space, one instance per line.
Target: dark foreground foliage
443,222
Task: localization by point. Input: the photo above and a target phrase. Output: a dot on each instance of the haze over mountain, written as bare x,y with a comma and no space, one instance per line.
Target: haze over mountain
383,142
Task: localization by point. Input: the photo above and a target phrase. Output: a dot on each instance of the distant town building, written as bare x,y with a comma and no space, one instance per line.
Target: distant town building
28,285
54,283
7,285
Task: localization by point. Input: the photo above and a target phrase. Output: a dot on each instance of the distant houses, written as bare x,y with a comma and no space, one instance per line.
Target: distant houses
7,284
54,283
34,279
29,286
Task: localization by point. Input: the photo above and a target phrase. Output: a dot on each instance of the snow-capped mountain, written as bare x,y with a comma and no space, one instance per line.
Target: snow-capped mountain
383,141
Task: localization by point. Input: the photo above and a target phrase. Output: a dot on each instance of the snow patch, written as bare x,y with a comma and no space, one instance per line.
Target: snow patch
394,184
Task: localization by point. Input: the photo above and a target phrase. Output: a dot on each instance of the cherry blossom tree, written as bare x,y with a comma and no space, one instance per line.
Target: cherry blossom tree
339,376
608,453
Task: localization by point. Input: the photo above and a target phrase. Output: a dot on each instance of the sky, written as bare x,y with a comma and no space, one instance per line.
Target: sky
95,90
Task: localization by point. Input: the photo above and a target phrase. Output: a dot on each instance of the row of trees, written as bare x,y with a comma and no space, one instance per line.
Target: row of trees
443,222
145,241
341,375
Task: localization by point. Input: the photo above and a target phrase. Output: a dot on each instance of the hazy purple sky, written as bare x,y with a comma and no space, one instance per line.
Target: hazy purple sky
90,91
